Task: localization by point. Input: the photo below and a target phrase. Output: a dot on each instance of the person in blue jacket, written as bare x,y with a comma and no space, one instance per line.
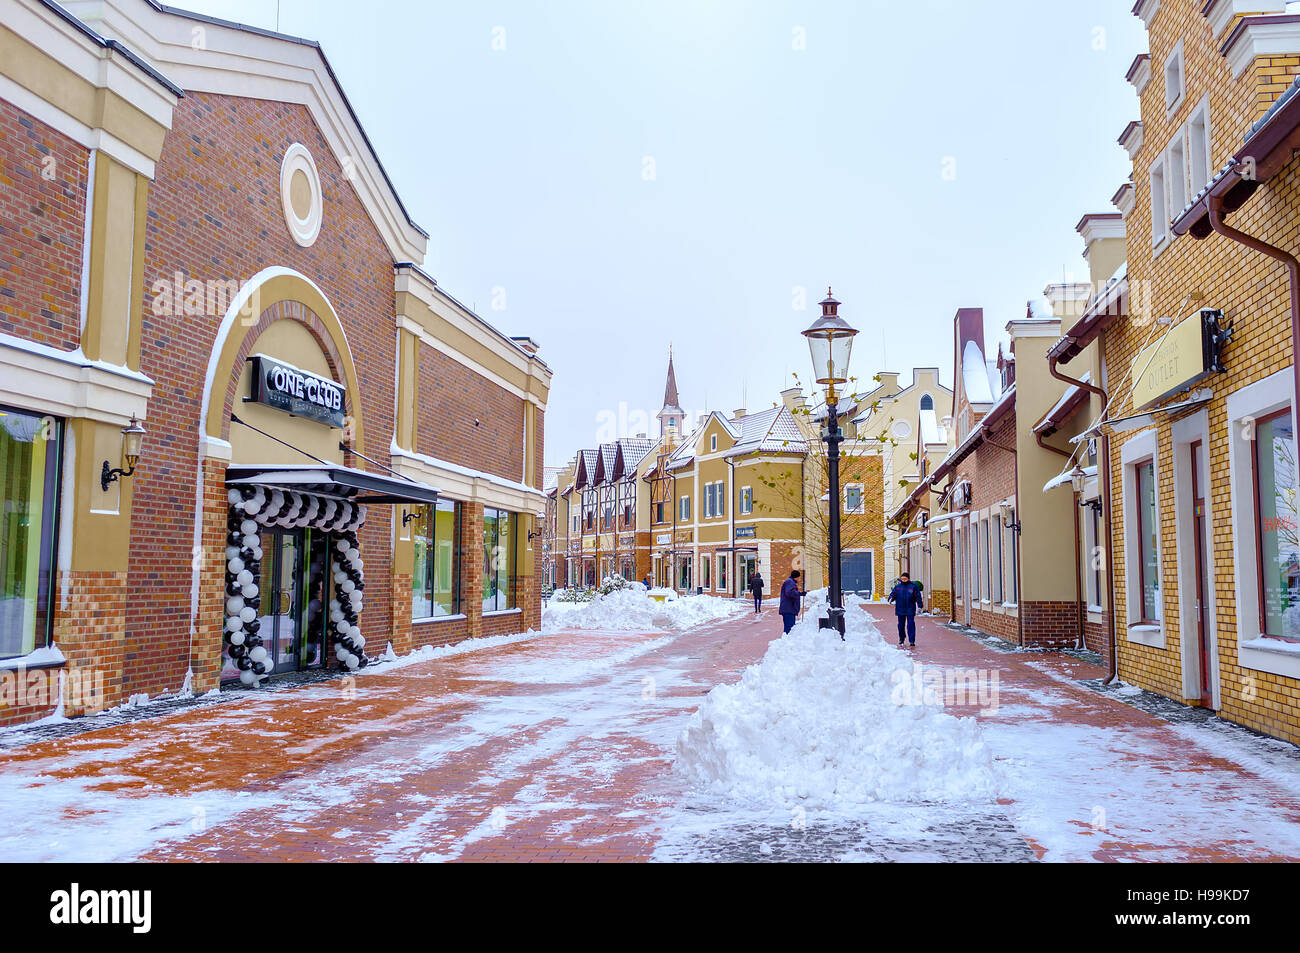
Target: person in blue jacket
790,596
905,597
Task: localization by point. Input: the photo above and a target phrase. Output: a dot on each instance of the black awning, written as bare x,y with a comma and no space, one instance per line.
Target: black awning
359,486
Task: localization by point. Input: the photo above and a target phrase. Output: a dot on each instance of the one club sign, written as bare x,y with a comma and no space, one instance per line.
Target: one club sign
296,391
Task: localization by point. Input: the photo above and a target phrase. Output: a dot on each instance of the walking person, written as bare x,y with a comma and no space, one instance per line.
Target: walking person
791,595
756,588
905,598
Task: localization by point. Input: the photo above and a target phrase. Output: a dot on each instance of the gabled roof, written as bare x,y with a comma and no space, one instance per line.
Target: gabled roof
586,471
773,431
629,452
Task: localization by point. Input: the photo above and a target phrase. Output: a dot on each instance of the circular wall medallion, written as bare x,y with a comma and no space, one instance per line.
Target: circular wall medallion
300,195
902,429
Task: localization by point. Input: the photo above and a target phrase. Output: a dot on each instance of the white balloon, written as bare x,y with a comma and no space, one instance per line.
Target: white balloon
352,661
234,497
248,527
340,649
243,576
237,638
234,604
355,632
334,604
336,615
234,623
359,639
249,591
247,676
250,542
348,585
248,613
257,552
236,563
258,654
342,545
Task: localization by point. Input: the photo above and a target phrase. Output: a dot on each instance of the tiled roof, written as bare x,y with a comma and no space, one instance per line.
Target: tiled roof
773,430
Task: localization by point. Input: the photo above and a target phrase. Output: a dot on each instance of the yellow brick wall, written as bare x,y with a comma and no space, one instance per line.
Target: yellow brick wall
1252,290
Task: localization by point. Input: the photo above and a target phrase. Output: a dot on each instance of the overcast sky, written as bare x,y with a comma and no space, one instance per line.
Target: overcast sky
623,175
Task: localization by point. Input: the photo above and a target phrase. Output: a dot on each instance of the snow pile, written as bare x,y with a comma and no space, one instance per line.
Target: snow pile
633,610
823,723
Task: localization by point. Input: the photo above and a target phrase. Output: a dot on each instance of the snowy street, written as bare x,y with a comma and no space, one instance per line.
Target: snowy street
563,745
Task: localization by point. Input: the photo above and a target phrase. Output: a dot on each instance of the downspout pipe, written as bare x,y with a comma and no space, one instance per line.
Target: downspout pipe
1103,471
1214,205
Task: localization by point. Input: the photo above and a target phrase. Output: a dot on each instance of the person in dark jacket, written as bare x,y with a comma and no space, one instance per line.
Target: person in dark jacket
790,596
756,587
906,597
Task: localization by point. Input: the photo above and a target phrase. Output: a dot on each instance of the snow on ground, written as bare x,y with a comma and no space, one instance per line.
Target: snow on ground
829,723
634,610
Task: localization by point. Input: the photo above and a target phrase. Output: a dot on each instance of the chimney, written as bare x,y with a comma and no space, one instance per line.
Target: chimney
793,399
1103,246
738,413
526,344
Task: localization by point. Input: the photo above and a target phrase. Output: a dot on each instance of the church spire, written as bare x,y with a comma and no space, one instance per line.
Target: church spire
671,415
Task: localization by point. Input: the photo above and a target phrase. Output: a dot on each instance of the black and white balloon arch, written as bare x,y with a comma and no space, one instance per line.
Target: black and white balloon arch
251,510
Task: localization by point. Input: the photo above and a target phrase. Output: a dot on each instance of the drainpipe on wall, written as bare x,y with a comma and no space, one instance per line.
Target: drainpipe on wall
1103,472
1214,206
731,524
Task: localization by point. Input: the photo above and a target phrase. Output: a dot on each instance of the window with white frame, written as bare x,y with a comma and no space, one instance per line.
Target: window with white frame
1011,578
1176,176
1159,206
713,442
715,500
1276,521
995,571
684,509
746,499
975,589
722,572
988,564
1175,79
957,536
853,498
1199,166
1143,512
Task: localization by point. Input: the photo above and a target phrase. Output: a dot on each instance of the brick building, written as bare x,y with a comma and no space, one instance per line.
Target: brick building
1198,441
338,454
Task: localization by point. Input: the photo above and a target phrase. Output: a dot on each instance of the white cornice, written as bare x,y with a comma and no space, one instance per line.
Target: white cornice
45,380
1262,38
235,62
1223,12
1146,11
101,67
1134,141
1126,198
1142,75
1094,229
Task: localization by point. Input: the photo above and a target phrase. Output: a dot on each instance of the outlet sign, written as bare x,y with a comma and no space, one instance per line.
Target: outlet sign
296,391
1186,354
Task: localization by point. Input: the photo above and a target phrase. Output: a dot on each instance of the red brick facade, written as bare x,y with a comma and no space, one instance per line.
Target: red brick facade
43,181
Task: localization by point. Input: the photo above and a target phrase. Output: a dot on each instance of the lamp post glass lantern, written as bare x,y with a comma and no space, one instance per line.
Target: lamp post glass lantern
830,343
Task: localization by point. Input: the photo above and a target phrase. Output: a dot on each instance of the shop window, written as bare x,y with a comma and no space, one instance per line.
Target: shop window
1276,524
1093,556
707,564
498,560
435,533
722,573
1148,530
29,479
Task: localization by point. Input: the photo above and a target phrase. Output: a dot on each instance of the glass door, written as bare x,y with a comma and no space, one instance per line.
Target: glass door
293,598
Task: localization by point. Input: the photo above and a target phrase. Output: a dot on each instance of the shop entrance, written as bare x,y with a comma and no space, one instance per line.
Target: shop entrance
293,594
1198,541
746,563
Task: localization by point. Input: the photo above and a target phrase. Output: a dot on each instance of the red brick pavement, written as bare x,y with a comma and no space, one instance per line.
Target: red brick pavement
556,748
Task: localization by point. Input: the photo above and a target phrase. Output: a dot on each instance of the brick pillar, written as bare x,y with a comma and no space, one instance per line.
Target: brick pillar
90,630
400,606
471,568
210,621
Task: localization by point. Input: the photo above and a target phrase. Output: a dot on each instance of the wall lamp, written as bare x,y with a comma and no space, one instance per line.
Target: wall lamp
132,437
1007,521
1077,480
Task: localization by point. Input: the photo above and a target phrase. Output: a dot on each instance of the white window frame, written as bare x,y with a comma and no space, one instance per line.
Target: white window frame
1249,403
746,500
1140,448
713,442
684,509
1159,202
862,499
1010,578
1175,67
721,577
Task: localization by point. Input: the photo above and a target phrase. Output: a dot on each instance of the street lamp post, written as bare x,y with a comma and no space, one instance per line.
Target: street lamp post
830,341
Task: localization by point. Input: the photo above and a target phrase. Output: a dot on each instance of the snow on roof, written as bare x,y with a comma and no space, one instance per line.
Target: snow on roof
774,430
1063,478
975,375
1040,310
931,430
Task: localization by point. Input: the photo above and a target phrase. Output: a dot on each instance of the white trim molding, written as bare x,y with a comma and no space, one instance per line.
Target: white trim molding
1140,447
1263,36
1223,12
43,379
1247,404
304,229
1146,11
1185,432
